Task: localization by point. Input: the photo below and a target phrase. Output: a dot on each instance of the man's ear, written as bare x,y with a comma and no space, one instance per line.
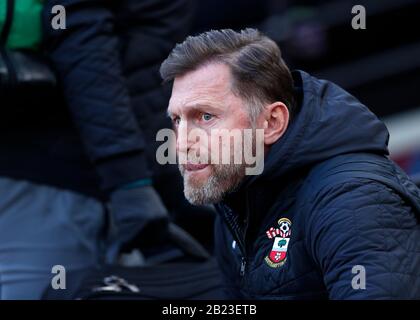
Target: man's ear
276,120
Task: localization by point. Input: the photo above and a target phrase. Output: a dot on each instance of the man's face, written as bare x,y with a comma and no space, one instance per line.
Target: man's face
203,100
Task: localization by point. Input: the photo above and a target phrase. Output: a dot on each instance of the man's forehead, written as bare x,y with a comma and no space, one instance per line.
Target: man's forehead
207,76
205,86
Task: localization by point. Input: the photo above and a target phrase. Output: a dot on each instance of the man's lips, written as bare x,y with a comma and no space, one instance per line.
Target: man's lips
194,167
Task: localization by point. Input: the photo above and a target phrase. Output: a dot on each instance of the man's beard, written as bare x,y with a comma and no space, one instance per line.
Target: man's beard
223,179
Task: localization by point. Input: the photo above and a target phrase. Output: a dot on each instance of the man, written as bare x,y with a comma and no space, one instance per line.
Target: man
330,216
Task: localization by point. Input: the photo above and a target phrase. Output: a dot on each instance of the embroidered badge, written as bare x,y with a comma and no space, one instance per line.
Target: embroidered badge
281,235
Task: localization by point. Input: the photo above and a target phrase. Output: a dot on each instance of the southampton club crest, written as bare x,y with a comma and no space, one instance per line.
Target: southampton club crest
281,235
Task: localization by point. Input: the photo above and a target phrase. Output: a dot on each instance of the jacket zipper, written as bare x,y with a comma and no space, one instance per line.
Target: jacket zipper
246,226
241,241
243,266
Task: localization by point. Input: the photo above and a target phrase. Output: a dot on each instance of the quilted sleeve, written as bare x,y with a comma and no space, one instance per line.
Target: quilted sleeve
86,57
366,241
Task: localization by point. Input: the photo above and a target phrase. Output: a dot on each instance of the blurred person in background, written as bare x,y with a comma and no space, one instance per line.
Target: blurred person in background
69,155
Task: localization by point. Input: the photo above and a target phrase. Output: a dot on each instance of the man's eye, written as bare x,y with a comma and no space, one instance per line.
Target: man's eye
207,116
176,120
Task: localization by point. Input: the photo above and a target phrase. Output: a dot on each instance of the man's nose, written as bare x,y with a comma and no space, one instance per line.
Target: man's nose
182,142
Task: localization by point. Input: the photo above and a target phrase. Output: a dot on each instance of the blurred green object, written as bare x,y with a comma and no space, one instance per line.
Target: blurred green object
25,31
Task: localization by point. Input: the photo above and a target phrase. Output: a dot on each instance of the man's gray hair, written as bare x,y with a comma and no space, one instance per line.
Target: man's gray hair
260,76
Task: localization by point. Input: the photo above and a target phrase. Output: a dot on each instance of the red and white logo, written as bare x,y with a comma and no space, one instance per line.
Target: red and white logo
281,235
